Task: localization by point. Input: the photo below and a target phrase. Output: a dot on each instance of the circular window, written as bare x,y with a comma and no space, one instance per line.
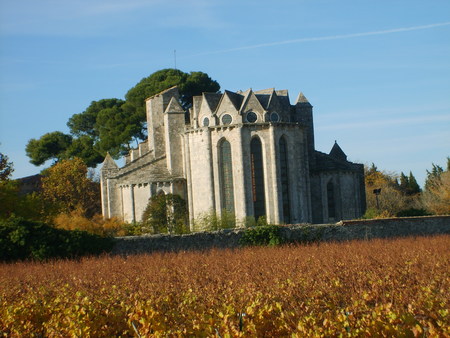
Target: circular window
226,119
274,117
205,122
251,117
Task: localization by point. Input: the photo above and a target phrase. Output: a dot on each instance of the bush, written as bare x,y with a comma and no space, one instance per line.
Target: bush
165,214
262,235
97,225
411,212
23,239
211,221
373,213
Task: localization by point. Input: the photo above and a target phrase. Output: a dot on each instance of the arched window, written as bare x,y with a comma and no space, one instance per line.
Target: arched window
256,157
284,176
226,176
330,198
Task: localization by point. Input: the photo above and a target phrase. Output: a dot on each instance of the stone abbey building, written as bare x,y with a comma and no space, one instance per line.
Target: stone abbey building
250,153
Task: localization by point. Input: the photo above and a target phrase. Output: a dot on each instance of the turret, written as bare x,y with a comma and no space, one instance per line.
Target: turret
174,124
108,169
337,152
156,106
304,115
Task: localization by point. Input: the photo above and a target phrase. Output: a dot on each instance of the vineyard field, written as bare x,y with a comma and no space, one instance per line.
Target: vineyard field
389,287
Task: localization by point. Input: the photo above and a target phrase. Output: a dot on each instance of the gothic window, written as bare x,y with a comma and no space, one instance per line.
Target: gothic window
227,119
274,117
257,174
284,176
205,122
226,176
331,202
251,117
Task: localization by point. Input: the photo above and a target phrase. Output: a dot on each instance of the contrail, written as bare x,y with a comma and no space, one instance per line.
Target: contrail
324,38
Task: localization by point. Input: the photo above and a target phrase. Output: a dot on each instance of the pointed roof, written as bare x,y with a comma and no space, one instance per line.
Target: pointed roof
302,99
236,99
109,163
172,90
174,107
337,152
252,101
212,99
283,98
264,96
196,104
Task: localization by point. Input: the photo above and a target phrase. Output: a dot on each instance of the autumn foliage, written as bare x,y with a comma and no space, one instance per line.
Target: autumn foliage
67,186
362,288
437,195
76,220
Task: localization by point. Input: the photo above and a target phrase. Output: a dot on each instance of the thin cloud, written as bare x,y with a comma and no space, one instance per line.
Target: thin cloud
387,122
325,38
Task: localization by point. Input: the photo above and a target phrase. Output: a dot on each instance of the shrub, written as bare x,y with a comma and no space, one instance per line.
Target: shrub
262,235
76,220
436,197
165,214
373,213
210,221
23,239
411,212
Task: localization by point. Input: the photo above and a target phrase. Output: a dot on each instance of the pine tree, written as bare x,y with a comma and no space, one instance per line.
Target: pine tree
413,186
404,183
435,172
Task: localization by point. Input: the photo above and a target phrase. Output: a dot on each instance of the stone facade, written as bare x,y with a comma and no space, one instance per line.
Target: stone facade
250,153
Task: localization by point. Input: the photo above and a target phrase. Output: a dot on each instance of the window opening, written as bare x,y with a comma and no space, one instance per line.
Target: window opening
227,119
331,203
257,173
284,175
226,176
274,117
205,122
251,117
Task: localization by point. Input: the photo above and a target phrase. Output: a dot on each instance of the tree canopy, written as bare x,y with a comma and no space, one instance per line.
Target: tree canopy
6,168
115,125
49,146
393,198
66,185
436,196
408,184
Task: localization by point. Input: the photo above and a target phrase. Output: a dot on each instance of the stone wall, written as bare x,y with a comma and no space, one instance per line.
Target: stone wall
342,231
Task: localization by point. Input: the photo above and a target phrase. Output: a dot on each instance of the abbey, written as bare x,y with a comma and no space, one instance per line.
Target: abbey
250,153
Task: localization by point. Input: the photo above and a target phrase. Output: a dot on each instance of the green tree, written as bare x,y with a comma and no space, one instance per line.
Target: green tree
85,123
413,186
166,214
392,198
404,182
67,186
49,146
6,168
436,195
435,172
408,184
84,147
114,125
118,131
189,84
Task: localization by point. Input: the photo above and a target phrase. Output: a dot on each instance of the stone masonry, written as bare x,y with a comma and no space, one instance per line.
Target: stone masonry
250,153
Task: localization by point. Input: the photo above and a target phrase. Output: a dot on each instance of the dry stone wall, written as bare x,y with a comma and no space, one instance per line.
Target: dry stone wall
342,231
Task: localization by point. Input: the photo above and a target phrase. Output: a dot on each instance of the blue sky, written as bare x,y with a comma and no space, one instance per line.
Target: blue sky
376,72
